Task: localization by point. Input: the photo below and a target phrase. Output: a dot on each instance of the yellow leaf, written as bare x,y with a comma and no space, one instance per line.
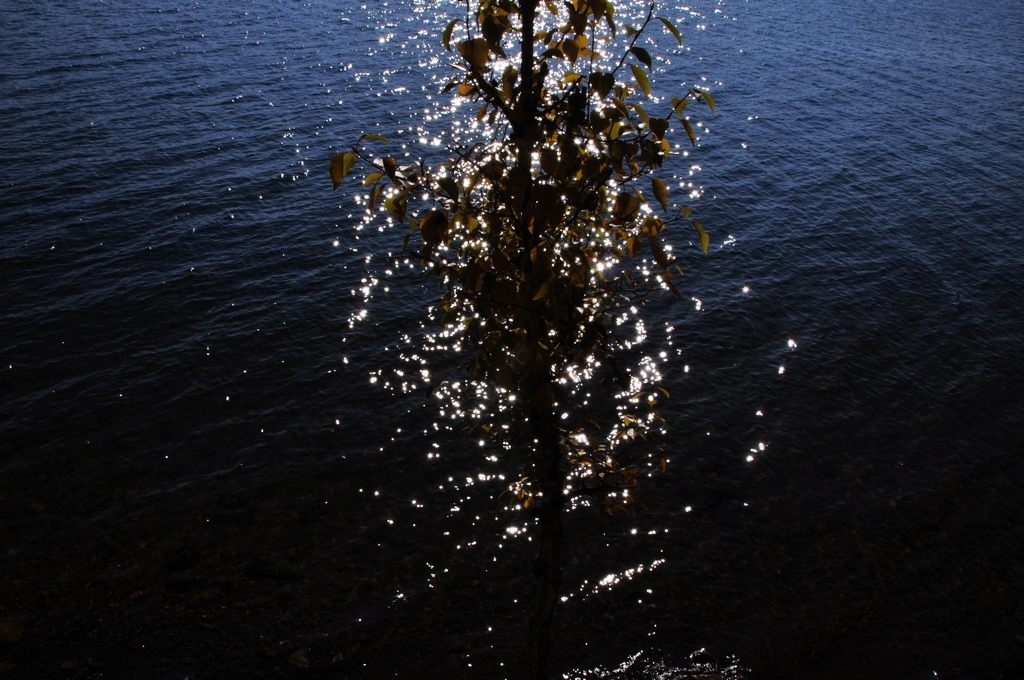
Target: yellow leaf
626,206
391,168
475,52
375,194
641,79
465,89
705,240
659,126
672,29
660,190
446,37
396,206
373,137
508,82
652,225
633,245
341,164
372,177
642,112
660,255
689,132
708,99
679,105
643,55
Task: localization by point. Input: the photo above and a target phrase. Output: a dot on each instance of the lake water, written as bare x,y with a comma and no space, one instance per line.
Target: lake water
198,479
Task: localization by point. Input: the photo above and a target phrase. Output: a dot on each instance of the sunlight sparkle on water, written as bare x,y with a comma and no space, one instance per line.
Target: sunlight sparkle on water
609,581
428,124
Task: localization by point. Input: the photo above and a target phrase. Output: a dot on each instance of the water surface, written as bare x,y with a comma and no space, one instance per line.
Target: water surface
190,437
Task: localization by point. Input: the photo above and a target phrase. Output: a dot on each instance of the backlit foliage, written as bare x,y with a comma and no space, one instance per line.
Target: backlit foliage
547,236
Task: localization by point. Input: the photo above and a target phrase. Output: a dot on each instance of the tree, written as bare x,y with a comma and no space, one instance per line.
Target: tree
546,249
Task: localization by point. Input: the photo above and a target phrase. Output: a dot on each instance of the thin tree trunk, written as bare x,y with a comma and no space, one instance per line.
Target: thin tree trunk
526,113
525,126
548,566
548,448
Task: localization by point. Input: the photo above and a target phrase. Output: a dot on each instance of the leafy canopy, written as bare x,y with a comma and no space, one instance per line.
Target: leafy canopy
544,238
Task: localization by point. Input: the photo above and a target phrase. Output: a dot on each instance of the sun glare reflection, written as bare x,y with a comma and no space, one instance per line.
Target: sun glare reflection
609,581
426,359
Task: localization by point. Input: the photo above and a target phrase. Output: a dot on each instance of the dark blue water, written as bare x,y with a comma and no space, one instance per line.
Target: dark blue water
198,479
